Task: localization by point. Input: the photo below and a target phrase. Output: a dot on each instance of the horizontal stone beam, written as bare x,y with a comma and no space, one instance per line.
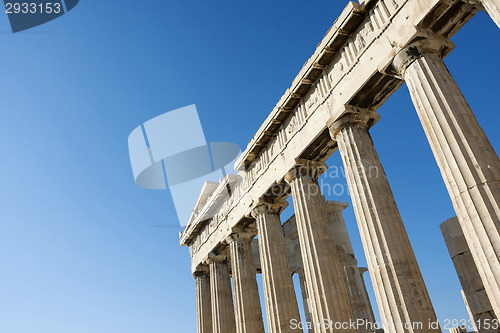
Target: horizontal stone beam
356,75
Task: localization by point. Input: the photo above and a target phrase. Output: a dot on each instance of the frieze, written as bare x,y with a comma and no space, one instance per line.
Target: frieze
376,21
347,57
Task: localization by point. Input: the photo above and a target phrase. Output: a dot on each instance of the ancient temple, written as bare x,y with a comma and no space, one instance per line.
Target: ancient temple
236,232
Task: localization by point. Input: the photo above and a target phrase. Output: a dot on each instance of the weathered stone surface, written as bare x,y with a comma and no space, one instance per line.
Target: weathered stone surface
246,293
279,293
401,293
468,163
354,64
203,301
327,292
223,320
292,236
306,301
353,276
479,307
458,330
348,65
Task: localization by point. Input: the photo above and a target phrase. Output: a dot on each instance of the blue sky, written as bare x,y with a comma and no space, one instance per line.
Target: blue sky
79,248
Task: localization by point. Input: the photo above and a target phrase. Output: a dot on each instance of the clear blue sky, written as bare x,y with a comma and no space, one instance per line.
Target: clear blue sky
79,250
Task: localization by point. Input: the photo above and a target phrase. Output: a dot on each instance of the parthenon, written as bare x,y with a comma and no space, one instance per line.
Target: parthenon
235,231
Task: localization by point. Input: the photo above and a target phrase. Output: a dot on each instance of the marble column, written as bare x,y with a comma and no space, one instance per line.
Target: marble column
473,288
302,277
246,293
353,277
223,320
305,297
471,315
469,165
400,290
203,301
327,292
458,330
279,293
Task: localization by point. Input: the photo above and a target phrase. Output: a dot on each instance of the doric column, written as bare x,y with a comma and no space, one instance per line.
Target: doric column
401,293
203,301
461,329
468,163
353,277
246,293
327,292
294,239
279,293
473,288
222,298
303,289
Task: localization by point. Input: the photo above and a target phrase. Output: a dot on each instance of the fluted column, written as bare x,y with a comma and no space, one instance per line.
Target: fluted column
460,329
327,292
203,301
246,293
297,266
401,293
468,163
300,272
222,298
473,289
279,293
360,301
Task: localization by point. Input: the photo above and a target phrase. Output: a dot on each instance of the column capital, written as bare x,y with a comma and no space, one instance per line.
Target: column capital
201,270
353,116
335,206
425,43
272,207
241,234
476,3
215,258
304,167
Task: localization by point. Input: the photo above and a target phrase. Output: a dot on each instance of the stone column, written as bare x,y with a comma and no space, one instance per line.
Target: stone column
471,316
468,163
458,330
473,288
302,277
222,298
362,271
203,301
327,292
401,293
353,277
246,293
279,292
305,294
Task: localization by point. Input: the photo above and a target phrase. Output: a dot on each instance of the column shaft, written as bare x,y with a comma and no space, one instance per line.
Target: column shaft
473,288
401,293
326,287
468,163
279,292
303,284
222,299
203,302
360,301
246,293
